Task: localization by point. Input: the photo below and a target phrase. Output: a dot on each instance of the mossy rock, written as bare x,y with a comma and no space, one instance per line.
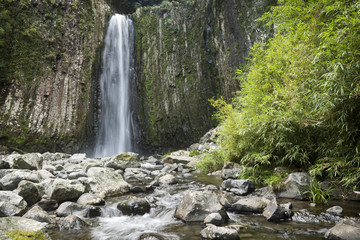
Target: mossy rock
17,234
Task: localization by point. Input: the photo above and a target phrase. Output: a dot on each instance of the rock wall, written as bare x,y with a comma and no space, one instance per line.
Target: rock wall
52,52
187,53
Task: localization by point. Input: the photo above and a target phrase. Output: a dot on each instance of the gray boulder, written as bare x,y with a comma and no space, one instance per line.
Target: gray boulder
250,204
38,214
4,164
135,174
31,161
72,222
295,185
76,175
214,218
231,170
345,229
134,206
20,223
335,210
274,212
90,163
29,191
171,159
11,204
11,180
71,208
238,187
167,179
219,233
90,199
64,190
105,182
124,160
195,206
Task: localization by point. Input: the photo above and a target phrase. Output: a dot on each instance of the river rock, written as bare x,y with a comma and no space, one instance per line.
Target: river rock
168,179
124,160
345,229
238,187
64,190
231,170
4,164
220,233
179,159
48,205
335,210
214,218
11,204
69,208
38,214
134,206
90,199
105,182
29,191
72,222
135,174
295,185
274,212
20,223
76,175
195,206
31,161
11,180
90,163
250,204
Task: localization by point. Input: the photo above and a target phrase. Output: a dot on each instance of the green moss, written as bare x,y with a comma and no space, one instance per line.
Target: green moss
26,235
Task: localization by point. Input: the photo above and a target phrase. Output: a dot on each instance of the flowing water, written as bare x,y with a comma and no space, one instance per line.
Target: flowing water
116,122
160,224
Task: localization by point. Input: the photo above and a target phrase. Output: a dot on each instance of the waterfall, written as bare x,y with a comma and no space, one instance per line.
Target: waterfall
116,125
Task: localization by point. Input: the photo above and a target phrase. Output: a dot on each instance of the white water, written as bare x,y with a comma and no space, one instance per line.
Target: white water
116,124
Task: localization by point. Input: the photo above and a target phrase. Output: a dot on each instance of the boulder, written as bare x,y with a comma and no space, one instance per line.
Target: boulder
64,190
90,163
134,206
214,218
76,175
72,222
124,160
250,204
335,210
345,229
231,170
31,161
29,191
105,182
178,159
90,199
167,179
135,174
48,205
38,214
11,204
274,212
195,206
11,180
70,208
219,233
295,185
4,164
20,223
238,187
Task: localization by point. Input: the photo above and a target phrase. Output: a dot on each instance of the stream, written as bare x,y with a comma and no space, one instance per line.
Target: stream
160,224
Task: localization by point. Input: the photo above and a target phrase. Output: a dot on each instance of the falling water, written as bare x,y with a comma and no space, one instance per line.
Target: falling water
115,121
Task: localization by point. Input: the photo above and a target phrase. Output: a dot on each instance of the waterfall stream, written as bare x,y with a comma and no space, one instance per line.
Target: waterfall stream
116,125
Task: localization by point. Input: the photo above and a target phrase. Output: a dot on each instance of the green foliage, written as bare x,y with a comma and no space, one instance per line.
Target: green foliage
211,162
317,194
299,105
195,153
26,235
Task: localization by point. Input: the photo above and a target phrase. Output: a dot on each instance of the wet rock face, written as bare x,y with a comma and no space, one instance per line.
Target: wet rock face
344,230
11,204
187,52
238,187
295,186
219,233
47,102
134,206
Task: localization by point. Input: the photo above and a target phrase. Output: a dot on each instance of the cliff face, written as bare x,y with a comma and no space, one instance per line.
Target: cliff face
52,50
187,52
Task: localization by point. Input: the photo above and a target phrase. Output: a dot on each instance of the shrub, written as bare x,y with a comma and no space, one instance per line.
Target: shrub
195,153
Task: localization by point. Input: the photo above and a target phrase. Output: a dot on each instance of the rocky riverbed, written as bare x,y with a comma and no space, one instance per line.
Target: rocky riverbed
133,197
